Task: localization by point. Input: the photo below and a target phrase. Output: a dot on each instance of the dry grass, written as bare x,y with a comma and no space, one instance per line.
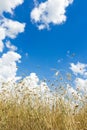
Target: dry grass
34,113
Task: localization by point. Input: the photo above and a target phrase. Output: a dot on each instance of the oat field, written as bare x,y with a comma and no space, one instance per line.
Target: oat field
23,108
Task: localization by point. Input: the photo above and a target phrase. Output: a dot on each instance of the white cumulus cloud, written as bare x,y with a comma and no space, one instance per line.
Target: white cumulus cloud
8,66
13,28
81,84
10,29
2,37
79,68
50,11
9,5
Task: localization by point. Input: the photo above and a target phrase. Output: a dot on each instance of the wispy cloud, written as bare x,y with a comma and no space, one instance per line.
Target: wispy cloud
10,46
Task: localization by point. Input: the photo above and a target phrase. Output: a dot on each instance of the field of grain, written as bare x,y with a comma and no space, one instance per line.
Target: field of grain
39,108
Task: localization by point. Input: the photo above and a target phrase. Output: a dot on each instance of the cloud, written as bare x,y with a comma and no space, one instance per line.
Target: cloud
2,37
32,80
48,12
9,5
1,46
35,85
79,68
8,66
10,46
71,91
10,29
81,84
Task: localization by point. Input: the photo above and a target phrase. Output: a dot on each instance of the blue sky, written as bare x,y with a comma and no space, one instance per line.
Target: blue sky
42,49
47,46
